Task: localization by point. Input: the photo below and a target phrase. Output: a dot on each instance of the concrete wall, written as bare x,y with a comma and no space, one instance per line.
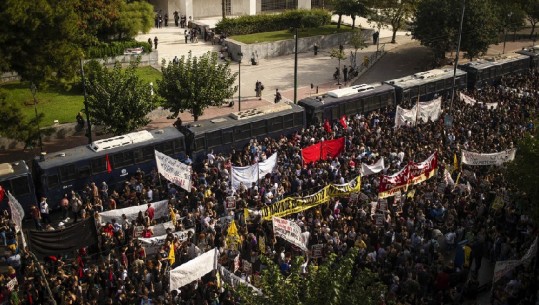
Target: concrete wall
206,8
304,4
285,47
161,5
149,59
9,77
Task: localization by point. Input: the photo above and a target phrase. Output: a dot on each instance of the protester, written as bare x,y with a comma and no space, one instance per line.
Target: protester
429,244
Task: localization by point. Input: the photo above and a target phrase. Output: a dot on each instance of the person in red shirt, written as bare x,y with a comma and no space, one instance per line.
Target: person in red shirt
150,211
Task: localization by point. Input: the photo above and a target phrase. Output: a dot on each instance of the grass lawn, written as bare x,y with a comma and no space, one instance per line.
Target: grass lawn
57,103
286,34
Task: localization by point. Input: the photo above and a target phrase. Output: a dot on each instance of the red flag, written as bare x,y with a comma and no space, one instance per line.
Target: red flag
2,193
311,153
332,148
109,168
327,126
343,122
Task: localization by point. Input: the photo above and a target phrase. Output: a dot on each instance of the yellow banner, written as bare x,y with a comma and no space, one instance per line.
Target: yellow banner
292,205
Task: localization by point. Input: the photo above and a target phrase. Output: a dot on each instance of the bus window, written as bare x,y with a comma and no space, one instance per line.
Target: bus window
288,121
84,172
143,154
259,128
68,172
123,159
52,181
99,165
200,143
20,186
178,146
276,124
227,136
298,119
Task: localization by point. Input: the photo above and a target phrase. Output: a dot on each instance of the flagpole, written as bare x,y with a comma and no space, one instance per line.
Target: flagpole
416,110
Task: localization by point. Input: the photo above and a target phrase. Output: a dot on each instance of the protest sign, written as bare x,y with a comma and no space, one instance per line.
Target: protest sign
153,244
316,250
161,210
173,170
193,269
289,231
234,281
472,158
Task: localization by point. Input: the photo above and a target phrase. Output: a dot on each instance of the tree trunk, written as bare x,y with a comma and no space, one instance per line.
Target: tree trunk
394,36
353,22
223,9
339,21
533,29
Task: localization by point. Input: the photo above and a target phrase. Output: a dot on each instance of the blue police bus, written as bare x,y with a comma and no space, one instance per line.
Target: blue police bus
17,178
71,169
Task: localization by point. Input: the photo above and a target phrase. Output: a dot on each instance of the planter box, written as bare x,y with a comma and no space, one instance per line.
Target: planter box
286,47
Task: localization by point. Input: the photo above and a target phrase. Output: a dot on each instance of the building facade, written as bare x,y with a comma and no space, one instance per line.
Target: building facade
213,8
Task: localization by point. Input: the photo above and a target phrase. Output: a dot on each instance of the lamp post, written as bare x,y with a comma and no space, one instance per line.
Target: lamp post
33,88
89,131
296,65
240,56
456,60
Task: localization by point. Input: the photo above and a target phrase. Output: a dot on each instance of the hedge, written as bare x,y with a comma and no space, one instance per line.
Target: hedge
115,48
274,22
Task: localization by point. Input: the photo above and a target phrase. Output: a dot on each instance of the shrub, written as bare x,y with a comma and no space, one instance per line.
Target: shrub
274,22
115,48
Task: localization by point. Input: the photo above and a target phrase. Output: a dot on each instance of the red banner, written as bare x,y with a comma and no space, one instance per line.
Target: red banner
323,150
389,185
332,148
311,153
413,173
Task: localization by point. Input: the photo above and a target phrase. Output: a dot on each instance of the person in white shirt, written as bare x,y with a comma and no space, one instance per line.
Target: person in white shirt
44,210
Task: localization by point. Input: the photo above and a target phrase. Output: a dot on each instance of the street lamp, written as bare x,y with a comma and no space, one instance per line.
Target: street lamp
240,56
34,91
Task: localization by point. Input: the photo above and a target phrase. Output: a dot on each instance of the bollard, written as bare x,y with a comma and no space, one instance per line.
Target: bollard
316,89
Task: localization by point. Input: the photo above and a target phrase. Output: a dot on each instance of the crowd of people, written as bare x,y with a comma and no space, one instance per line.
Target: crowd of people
429,248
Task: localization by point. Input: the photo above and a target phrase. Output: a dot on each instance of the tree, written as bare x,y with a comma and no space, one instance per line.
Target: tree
339,55
350,8
196,83
436,26
357,41
40,39
339,281
522,173
396,13
118,100
531,8
14,125
96,18
135,17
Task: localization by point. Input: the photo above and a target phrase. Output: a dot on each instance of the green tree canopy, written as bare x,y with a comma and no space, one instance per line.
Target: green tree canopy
531,8
118,99
395,12
436,25
40,39
350,8
135,17
196,83
14,125
523,173
337,281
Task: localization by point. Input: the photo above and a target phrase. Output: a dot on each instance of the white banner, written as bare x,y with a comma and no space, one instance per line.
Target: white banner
421,111
234,281
405,116
153,244
532,251
193,269
158,229
289,231
17,212
499,158
431,109
503,267
161,210
174,171
367,170
492,105
250,174
468,100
